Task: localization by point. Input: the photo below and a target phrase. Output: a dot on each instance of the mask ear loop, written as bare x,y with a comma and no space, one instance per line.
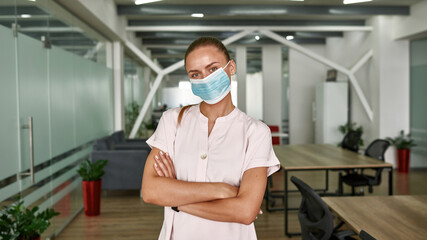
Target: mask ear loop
226,65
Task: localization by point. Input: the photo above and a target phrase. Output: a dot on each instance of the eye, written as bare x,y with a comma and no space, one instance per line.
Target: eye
194,75
213,69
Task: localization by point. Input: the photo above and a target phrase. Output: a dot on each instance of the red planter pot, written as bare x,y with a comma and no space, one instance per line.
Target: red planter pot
92,197
403,160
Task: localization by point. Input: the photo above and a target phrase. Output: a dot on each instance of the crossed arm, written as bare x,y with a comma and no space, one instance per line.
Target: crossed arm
214,201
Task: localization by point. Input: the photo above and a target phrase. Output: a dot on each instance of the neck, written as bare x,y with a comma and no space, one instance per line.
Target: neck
220,109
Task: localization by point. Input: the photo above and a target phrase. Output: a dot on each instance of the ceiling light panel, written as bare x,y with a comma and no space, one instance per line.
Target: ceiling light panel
355,1
139,2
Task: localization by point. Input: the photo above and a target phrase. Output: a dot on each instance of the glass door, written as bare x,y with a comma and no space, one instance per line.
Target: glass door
9,147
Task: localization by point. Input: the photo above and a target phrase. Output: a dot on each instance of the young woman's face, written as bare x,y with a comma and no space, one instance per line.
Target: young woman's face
205,60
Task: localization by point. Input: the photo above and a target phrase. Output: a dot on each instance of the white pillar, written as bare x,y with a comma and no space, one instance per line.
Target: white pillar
272,84
118,64
391,59
241,77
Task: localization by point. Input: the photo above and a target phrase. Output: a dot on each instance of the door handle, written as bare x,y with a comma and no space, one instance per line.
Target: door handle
31,141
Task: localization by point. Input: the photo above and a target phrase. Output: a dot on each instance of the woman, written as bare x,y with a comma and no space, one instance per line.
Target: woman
209,162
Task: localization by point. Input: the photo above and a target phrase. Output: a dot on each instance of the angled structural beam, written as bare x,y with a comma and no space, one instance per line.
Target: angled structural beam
147,60
161,73
185,28
331,64
361,61
146,105
91,53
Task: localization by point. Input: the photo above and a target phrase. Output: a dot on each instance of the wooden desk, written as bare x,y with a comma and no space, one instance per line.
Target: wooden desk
322,157
384,217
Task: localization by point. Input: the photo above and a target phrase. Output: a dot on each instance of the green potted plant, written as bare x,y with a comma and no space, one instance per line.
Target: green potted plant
18,222
403,144
344,129
132,112
91,185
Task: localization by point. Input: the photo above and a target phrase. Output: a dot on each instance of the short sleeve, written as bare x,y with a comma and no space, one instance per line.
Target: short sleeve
260,151
164,136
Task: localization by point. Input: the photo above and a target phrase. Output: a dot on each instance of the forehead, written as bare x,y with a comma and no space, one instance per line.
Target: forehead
204,55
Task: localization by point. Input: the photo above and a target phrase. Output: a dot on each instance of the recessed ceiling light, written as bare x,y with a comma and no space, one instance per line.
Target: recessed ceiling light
355,1
198,15
25,15
289,37
139,2
31,0
257,37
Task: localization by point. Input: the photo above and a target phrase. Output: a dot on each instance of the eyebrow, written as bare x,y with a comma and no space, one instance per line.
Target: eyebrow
207,66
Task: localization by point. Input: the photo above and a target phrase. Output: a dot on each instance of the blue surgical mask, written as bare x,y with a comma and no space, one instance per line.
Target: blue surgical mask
212,88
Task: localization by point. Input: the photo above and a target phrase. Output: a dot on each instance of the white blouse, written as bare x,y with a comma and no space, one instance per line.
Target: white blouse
236,143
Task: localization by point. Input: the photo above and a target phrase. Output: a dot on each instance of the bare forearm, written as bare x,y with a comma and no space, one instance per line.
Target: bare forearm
225,210
241,209
163,189
171,192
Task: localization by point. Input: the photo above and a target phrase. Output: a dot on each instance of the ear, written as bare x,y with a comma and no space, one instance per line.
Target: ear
232,67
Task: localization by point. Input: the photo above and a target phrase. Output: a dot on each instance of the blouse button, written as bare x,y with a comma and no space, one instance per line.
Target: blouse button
203,156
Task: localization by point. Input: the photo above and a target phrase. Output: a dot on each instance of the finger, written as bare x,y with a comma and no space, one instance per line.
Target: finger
171,163
161,166
158,171
167,163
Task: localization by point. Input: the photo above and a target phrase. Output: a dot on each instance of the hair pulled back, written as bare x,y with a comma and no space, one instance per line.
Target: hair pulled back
207,41
202,42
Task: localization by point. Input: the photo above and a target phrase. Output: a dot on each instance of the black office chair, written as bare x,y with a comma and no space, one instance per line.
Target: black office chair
315,217
375,150
366,236
351,141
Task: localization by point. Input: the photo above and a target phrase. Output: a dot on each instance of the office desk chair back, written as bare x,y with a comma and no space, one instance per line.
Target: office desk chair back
314,215
351,141
376,150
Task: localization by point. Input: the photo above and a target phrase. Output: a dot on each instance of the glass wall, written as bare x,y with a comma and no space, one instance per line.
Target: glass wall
136,87
54,75
418,101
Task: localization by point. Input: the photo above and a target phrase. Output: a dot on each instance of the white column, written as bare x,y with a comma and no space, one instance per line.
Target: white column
109,54
241,77
392,60
272,84
118,64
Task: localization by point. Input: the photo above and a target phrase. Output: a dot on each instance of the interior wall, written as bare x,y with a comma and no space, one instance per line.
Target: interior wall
304,73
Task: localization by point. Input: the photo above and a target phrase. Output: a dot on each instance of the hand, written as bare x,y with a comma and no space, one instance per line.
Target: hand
164,166
259,213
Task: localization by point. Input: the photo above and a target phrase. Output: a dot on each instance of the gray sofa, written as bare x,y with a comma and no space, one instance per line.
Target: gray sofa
126,161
